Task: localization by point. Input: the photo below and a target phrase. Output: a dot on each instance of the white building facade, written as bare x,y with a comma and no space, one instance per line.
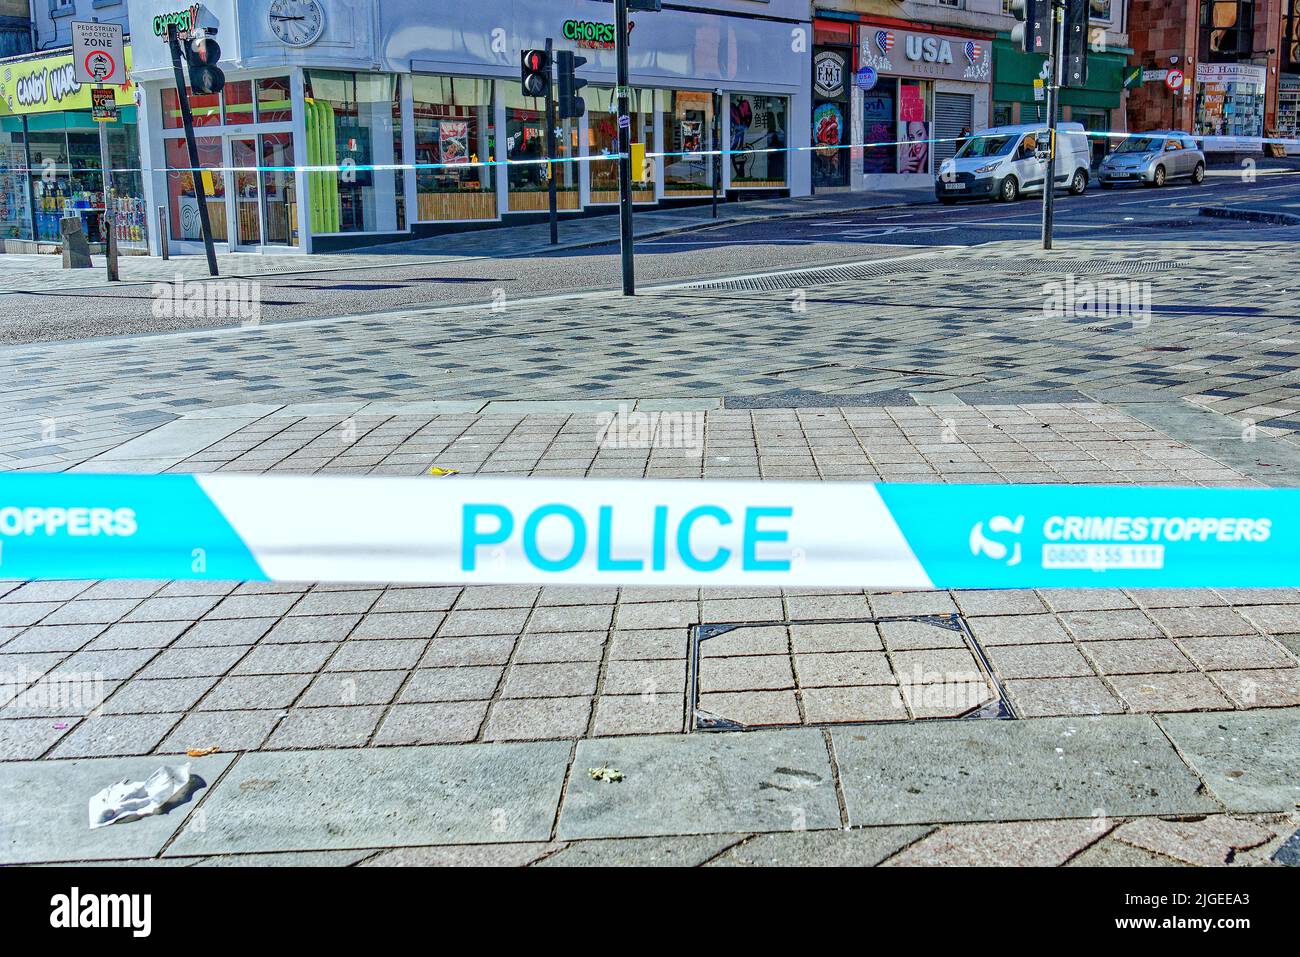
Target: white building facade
419,103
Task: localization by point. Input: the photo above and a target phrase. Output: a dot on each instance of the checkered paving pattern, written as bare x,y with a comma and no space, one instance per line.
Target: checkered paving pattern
1221,334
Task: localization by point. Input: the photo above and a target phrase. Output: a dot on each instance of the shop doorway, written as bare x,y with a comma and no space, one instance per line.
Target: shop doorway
261,198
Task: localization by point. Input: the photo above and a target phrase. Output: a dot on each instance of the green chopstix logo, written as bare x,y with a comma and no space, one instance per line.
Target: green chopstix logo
589,33
185,21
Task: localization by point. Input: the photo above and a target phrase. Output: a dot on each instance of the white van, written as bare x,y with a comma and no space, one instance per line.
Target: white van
1002,163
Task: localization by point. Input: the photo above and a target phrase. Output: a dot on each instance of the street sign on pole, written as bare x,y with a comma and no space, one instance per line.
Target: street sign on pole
103,105
1174,80
97,53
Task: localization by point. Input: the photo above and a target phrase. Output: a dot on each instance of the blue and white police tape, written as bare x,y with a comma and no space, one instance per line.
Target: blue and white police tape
633,532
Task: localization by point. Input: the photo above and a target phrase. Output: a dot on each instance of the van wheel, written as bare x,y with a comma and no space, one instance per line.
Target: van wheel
1009,191
1079,183
1158,179
1198,174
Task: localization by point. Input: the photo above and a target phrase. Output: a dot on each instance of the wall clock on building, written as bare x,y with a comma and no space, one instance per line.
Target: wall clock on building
296,23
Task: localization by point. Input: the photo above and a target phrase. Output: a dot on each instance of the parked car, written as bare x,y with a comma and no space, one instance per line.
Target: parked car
1002,163
1153,159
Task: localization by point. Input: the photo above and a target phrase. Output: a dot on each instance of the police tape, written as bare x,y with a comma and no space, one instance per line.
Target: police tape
644,532
1232,144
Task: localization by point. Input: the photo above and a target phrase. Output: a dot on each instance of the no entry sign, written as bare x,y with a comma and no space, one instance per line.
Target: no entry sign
97,54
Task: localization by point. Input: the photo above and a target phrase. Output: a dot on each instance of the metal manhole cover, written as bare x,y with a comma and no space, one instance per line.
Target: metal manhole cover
818,672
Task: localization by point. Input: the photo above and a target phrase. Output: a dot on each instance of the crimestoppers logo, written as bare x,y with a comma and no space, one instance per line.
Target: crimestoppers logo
981,544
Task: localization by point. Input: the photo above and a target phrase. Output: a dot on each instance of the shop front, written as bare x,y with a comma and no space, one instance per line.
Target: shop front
1230,106
1288,109
834,65
923,91
51,163
1098,105
432,133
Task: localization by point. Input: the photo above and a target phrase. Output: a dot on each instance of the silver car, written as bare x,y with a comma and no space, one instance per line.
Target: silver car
1153,159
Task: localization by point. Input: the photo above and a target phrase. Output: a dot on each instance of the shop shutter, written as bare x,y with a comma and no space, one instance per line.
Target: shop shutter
953,112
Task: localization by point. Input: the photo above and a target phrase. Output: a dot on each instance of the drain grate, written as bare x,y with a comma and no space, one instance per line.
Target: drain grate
830,672
852,272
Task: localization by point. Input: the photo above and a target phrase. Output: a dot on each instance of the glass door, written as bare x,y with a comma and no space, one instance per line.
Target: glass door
246,194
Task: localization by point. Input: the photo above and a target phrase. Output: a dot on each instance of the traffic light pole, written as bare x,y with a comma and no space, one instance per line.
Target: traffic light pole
624,150
1053,98
187,118
551,150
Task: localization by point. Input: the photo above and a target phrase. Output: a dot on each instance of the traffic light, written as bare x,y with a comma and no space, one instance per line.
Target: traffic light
1076,42
203,55
1034,33
568,83
535,72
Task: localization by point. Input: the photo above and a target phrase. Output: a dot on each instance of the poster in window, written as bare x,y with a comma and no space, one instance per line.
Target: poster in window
915,150
878,127
691,130
911,104
453,141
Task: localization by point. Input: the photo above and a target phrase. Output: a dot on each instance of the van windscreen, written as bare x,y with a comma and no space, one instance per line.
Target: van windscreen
988,146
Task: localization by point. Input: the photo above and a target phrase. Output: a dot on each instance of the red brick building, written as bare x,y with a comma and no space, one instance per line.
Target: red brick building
1239,70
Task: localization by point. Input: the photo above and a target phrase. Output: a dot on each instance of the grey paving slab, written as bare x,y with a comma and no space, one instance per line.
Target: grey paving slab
44,814
1012,770
1250,760
176,440
701,784
688,851
857,848
385,797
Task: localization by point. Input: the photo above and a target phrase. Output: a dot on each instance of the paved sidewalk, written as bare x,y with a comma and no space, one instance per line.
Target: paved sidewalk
1129,790
385,724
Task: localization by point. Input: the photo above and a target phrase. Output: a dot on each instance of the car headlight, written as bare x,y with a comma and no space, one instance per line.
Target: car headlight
990,168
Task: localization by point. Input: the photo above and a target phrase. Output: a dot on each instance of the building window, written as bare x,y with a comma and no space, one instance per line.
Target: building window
454,133
688,130
602,137
233,106
353,121
279,193
1227,30
238,97
183,193
879,112
526,141
758,140
205,109
274,100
